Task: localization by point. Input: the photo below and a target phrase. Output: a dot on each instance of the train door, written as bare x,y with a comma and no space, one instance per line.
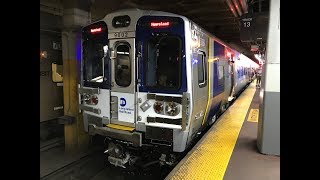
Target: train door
200,89
231,70
225,67
122,102
227,76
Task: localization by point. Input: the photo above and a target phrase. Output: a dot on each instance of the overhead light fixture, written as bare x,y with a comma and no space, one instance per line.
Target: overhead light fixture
232,8
237,7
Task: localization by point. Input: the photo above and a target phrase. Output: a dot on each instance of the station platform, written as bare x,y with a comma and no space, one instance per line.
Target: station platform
229,149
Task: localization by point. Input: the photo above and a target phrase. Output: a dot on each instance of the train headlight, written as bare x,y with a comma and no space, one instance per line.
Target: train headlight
158,107
172,109
87,98
91,99
94,100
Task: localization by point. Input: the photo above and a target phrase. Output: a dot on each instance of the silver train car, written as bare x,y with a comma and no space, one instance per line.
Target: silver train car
151,81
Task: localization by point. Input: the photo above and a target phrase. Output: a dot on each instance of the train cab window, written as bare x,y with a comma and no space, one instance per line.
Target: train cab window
93,58
163,62
121,21
122,65
202,79
220,76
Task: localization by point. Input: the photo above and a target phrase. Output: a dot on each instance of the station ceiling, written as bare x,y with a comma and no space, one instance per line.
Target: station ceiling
213,15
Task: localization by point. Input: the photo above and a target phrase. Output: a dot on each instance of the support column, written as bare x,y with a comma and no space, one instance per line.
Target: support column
75,16
269,117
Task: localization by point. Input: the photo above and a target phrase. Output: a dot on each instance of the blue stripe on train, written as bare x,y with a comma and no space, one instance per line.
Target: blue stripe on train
216,88
219,49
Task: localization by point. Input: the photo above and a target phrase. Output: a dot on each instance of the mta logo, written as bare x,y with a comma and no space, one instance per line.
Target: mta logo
123,102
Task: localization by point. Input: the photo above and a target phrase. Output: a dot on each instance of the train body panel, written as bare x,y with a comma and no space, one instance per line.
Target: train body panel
160,76
100,109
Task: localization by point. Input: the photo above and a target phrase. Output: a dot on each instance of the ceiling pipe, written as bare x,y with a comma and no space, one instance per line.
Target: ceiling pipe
55,9
244,6
237,6
232,8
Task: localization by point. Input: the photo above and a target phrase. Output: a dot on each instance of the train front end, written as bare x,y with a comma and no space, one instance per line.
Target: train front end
133,88
107,90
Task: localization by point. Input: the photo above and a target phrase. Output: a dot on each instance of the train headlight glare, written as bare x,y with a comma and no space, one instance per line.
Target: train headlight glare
158,107
172,109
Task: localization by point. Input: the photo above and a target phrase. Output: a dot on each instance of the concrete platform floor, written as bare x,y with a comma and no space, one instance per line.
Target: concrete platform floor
246,162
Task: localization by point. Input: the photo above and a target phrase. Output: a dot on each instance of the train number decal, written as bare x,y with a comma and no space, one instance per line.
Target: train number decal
121,34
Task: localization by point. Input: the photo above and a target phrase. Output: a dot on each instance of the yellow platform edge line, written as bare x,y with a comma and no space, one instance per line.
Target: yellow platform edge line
209,158
120,127
253,115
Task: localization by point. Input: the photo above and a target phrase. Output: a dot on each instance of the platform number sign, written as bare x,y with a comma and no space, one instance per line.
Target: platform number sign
246,24
247,28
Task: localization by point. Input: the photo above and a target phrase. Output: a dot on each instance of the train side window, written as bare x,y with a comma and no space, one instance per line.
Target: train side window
220,76
201,66
122,65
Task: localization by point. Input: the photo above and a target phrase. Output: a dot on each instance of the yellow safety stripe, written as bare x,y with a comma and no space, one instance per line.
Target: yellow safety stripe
120,127
253,115
209,158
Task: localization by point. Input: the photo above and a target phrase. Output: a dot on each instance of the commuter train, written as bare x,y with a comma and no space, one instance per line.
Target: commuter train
151,81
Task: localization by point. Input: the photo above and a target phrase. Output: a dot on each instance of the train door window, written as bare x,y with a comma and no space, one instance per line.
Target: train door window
220,76
201,66
122,65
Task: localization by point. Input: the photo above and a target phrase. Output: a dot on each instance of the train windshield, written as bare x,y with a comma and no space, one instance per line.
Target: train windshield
93,60
163,62
95,57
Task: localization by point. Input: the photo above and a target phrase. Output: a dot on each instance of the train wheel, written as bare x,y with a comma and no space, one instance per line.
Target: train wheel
213,119
223,108
227,106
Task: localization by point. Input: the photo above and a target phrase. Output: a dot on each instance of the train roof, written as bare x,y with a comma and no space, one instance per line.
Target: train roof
145,12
